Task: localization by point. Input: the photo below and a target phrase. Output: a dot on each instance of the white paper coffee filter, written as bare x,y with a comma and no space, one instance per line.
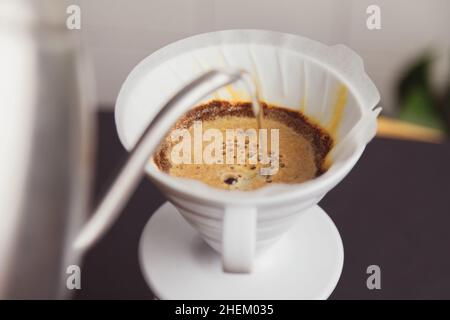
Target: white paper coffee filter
327,83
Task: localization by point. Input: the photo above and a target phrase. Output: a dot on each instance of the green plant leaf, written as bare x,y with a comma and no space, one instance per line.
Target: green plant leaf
417,106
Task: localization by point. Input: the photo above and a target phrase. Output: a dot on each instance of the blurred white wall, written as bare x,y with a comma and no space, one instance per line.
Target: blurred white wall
120,33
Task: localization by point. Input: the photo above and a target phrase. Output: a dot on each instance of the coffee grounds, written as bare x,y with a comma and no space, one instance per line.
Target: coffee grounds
320,140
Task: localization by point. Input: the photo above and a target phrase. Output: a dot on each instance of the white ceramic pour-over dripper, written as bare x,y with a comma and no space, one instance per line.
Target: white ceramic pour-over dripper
327,84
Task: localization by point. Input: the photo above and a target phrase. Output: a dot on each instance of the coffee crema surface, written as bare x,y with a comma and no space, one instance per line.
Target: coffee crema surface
302,147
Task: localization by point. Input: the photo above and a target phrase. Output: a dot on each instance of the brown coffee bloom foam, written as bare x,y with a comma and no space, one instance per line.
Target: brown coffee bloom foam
303,146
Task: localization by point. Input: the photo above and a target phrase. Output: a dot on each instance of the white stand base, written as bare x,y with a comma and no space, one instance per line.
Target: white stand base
305,263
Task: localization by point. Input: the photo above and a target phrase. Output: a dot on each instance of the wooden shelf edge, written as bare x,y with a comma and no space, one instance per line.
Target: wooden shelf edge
397,129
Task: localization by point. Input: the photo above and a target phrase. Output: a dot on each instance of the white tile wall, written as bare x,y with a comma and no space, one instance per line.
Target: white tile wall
119,33
409,28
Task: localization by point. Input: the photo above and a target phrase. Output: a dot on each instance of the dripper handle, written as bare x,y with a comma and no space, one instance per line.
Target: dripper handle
131,172
238,239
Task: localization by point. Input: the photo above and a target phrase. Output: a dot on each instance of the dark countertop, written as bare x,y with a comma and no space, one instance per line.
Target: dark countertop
392,210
